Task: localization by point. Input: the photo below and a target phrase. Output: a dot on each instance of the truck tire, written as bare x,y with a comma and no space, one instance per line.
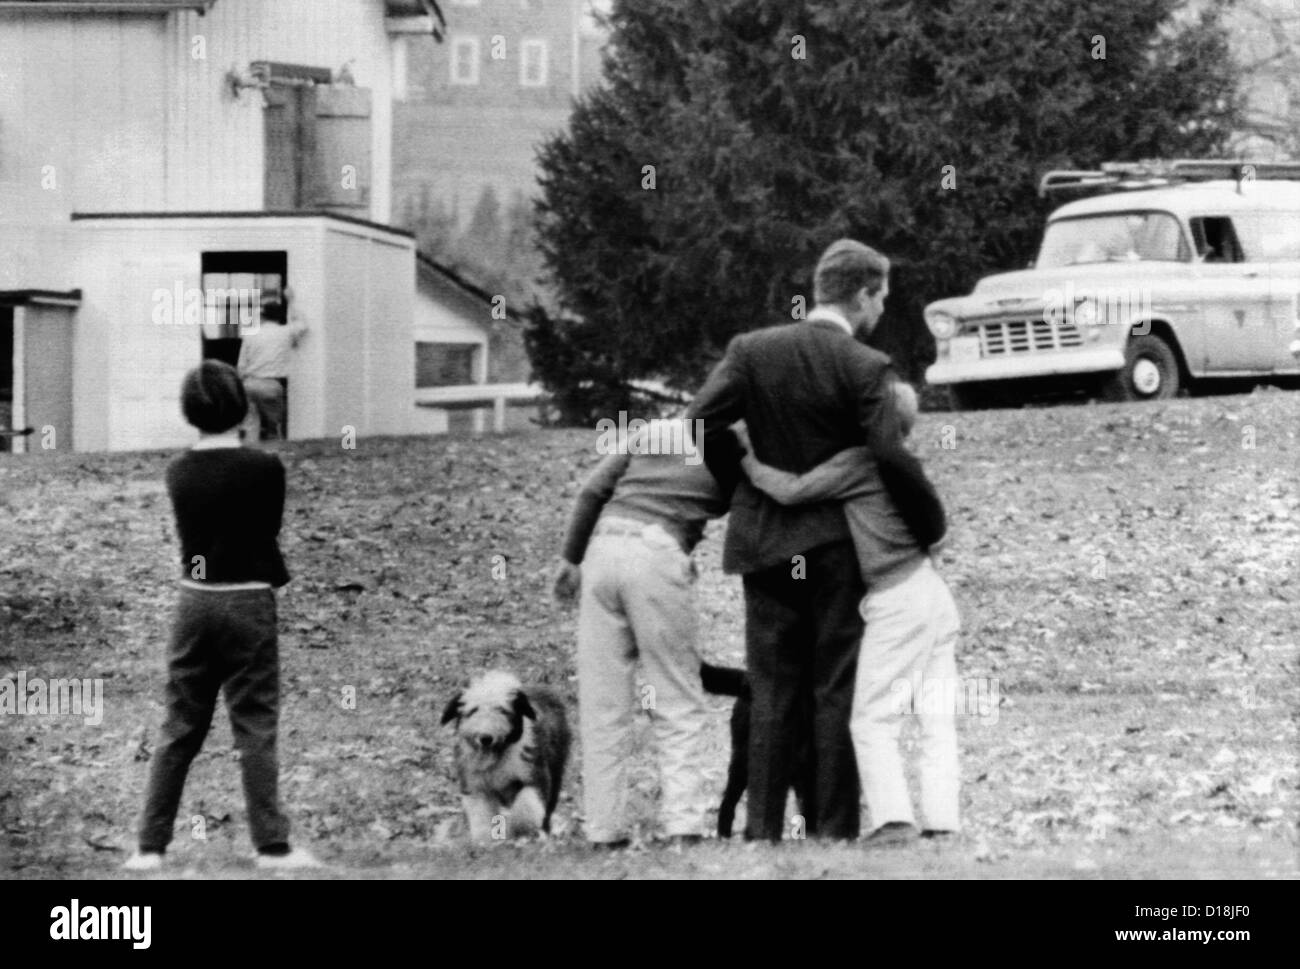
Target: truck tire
1150,372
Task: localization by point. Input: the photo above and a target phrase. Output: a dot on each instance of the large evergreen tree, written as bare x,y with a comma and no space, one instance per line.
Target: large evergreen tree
733,139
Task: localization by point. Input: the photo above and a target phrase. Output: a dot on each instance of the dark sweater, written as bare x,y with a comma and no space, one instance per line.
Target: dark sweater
228,504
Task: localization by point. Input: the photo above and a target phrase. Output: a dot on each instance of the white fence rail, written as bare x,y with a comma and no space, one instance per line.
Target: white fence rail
500,396
469,396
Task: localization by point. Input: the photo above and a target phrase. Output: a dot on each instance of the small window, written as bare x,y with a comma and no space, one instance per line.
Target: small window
464,60
532,63
445,364
1216,240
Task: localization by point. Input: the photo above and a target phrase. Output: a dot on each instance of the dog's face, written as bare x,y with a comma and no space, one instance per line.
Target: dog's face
489,714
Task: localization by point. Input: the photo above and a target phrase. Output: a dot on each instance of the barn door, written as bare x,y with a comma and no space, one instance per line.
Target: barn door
340,171
317,144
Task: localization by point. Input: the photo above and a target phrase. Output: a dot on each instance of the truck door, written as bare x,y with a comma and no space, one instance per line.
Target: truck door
1233,293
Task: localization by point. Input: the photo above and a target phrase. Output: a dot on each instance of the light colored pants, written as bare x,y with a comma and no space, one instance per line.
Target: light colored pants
266,406
909,642
638,603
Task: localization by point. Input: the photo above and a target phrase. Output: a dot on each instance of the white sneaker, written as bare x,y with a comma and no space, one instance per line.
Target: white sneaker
144,861
296,858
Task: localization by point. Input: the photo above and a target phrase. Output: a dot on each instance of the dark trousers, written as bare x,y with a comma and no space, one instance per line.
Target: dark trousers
801,638
221,639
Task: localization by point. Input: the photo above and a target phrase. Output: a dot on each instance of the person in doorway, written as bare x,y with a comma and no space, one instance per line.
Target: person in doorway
265,359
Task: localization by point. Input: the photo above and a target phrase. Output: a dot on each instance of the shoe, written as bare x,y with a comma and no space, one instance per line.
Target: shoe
618,845
938,834
295,858
890,834
144,861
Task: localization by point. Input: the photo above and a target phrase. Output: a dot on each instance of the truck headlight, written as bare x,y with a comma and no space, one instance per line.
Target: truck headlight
942,325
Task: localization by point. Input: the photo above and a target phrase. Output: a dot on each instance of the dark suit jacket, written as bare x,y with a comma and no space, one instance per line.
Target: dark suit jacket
806,390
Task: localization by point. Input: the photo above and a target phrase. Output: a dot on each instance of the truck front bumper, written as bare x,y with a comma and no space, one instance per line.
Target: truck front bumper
1012,365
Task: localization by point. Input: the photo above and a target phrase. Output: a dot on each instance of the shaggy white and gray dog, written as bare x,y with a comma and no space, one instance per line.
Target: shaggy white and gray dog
511,751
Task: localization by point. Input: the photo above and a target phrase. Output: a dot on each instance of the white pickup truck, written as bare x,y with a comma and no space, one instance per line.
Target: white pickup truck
1178,271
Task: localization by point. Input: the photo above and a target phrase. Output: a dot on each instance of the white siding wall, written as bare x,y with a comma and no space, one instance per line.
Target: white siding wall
85,95
215,152
126,369
352,287
132,121
437,322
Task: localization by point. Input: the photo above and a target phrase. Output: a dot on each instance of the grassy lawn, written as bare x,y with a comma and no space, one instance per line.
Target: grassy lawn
1127,575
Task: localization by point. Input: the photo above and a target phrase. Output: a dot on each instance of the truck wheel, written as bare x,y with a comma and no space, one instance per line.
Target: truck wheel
972,396
1150,372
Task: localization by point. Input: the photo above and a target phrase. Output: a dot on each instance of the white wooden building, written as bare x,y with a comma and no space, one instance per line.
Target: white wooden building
199,148
469,367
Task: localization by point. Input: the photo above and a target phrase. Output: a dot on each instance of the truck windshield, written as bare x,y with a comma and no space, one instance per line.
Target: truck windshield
1119,237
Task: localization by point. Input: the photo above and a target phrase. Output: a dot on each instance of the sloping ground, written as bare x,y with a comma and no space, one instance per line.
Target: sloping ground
1127,577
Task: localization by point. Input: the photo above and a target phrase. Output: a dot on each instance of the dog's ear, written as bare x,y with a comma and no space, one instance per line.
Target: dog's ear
523,707
452,711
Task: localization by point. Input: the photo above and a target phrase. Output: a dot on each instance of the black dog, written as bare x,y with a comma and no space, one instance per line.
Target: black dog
722,681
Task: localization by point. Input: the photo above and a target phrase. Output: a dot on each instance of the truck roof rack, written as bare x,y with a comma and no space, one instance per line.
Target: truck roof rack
1129,176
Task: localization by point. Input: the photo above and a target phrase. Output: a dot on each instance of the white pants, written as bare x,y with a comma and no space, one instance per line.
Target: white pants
909,642
638,602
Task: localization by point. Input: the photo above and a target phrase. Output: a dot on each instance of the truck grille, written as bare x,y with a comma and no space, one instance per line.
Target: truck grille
1026,336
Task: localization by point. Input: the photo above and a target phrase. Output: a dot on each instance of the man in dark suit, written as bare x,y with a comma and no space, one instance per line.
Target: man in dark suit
807,390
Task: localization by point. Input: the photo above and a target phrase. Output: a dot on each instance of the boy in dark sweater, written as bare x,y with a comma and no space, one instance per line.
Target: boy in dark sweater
228,502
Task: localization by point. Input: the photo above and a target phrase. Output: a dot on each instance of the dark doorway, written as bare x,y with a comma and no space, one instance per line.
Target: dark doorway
228,280
6,375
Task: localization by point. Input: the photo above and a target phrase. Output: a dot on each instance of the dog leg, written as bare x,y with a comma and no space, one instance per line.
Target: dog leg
528,813
736,783
480,813
738,769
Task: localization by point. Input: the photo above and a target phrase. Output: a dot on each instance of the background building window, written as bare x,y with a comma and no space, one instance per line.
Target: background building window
532,63
464,60
445,364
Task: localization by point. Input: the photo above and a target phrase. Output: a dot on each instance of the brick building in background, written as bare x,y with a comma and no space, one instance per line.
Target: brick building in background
471,111
468,116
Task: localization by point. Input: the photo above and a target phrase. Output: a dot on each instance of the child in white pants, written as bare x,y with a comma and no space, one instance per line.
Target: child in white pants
907,662
627,557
